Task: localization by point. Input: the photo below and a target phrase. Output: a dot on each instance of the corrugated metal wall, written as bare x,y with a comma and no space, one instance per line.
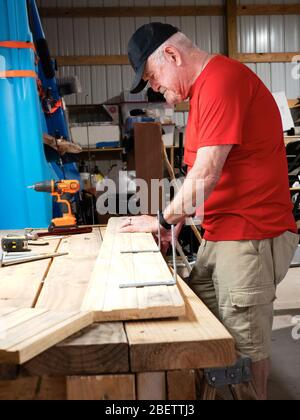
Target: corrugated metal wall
100,36
266,34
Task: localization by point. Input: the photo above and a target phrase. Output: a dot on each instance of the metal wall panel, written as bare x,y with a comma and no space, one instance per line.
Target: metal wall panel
100,36
272,34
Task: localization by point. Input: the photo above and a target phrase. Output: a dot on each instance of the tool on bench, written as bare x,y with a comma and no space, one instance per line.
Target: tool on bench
155,283
14,244
66,224
19,243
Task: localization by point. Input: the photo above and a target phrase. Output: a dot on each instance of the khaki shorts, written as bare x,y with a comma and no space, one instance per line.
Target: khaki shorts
237,280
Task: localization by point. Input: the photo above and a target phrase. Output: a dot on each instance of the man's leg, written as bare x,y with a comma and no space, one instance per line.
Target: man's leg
244,270
201,281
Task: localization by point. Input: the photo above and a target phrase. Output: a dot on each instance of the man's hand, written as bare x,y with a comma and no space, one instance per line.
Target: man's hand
146,224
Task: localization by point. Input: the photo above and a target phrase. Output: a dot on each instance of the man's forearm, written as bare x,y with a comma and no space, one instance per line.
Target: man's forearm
195,190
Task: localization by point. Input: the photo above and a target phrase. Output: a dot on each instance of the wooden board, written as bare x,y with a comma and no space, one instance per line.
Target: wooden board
116,387
25,333
67,279
108,301
99,348
181,385
21,284
148,155
151,386
50,389
196,340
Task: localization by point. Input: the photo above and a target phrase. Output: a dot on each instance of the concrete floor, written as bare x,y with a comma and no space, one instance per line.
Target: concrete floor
284,381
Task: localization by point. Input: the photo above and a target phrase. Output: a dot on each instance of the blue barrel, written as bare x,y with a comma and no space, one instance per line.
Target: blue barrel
22,160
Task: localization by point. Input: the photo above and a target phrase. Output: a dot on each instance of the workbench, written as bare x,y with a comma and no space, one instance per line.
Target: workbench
133,360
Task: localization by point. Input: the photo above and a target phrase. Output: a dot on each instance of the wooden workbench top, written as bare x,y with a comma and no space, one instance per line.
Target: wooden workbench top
195,340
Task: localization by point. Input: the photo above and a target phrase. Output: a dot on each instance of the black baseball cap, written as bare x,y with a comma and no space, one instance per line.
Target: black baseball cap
142,44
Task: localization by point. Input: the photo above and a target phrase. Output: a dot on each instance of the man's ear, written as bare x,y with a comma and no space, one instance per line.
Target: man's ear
172,55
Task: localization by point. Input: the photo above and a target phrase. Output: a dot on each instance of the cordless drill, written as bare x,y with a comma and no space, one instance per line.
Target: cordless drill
57,189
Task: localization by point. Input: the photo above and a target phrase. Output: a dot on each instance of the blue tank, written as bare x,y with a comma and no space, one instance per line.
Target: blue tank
22,159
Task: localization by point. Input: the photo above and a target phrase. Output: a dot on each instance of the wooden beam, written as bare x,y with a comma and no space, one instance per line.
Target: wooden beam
231,18
268,9
194,341
151,386
29,332
98,349
37,389
90,60
148,142
175,379
285,57
108,387
85,12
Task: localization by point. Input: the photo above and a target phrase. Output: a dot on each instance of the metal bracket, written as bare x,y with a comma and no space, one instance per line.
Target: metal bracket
232,375
155,283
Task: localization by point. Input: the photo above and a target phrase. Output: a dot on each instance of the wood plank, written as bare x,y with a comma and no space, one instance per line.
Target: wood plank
88,60
99,348
31,336
49,389
110,302
20,284
67,279
149,161
285,57
268,9
151,386
84,12
196,340
181,385
232,31
109,387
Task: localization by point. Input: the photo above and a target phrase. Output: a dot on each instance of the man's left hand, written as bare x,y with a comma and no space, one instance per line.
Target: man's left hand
146,224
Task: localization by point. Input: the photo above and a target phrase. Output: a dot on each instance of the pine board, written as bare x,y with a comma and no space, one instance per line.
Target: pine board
20,284
108,301
68,277
195,340
25,333
98,349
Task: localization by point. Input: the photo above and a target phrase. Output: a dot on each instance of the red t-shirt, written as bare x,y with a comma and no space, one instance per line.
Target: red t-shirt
230,105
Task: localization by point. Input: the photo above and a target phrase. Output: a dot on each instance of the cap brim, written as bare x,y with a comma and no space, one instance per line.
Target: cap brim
138,82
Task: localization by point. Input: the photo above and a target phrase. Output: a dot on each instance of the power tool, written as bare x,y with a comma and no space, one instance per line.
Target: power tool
57,189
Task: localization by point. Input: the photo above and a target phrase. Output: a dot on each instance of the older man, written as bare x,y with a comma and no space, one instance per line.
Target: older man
234,143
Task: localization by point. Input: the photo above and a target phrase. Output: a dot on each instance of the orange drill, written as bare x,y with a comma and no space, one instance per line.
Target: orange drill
57,189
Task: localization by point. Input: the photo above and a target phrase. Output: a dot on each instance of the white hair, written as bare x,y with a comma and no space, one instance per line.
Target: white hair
178,40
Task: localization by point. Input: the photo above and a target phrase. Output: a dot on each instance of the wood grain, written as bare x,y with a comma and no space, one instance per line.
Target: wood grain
109,302
196,340
99,348
116,387
26,333
80,12
68,278
181,385
151,386
45,389
20,284
149,162
232,32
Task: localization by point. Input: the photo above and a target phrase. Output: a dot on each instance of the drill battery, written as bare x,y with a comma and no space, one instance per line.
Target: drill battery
14,244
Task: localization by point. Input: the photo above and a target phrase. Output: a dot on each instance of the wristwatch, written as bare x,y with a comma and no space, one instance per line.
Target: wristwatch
163,222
